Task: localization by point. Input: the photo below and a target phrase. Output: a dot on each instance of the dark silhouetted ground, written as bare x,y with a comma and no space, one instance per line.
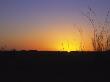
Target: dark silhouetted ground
55,66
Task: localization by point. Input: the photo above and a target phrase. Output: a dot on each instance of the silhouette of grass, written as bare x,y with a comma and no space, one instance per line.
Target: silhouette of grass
101,36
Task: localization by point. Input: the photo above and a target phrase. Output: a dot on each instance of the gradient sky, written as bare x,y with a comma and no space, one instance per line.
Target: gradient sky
46,24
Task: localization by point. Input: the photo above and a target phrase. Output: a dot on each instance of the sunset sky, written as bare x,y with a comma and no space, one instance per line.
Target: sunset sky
47,24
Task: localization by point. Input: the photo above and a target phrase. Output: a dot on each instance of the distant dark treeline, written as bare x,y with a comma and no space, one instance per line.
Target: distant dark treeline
55,53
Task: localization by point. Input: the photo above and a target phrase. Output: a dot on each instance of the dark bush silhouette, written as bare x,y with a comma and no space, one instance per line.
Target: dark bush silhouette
101,36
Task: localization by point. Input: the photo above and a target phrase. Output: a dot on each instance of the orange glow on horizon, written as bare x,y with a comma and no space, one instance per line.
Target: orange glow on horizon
54,37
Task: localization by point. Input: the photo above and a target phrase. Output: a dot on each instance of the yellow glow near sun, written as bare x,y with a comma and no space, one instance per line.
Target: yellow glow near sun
69,46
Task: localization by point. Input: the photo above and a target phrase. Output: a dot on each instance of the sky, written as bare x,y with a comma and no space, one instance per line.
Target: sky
47,24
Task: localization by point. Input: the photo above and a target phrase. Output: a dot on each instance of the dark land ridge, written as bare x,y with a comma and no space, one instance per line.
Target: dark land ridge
55,66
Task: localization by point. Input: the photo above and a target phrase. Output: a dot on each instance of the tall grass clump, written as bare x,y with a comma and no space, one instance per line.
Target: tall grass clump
100,32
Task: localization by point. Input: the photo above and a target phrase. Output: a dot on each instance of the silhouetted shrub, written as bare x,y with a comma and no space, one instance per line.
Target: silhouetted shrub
101,36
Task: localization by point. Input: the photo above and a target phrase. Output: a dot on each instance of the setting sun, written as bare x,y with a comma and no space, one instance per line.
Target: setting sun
69,46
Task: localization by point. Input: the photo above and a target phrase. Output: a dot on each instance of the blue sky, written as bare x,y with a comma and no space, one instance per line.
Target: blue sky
19,9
